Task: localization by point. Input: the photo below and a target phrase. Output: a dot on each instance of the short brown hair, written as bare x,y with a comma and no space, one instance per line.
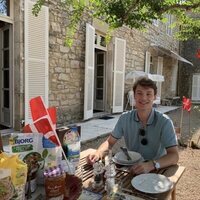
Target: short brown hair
145,82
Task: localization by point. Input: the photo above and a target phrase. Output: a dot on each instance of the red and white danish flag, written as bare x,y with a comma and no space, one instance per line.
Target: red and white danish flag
44,120
187,104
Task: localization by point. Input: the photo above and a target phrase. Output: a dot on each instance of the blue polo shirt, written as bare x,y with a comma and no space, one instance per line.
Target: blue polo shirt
159,132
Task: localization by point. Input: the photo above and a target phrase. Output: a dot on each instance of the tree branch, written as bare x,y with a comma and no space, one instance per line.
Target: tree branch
131,8
179,6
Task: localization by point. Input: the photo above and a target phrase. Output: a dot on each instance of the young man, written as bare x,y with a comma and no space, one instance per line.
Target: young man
145,130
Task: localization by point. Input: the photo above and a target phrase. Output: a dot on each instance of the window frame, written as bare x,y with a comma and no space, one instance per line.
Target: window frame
9,19
97,44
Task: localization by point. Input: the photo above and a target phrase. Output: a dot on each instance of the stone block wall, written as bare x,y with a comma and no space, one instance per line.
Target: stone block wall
188,51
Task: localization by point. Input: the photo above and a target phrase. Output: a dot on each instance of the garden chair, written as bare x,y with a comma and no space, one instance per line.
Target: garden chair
130,99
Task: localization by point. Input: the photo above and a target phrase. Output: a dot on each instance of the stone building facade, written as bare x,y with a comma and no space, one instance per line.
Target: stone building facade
189,77
66,82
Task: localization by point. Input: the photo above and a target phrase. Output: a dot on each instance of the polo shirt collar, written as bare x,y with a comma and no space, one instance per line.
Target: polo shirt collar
150,119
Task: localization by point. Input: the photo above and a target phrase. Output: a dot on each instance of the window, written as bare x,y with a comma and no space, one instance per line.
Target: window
100,41
4,8
153,67
169,24
196,87
6,11
174,75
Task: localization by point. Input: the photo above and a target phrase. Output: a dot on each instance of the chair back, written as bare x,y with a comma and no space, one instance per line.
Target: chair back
178,132
131,98
157,100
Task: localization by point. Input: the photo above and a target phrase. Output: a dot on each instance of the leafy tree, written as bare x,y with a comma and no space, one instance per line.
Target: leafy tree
134,13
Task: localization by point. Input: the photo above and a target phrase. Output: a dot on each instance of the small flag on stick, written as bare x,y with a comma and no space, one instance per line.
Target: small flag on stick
187,104
38,109
44,122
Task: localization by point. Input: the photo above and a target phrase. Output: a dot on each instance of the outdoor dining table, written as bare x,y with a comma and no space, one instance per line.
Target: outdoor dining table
174,173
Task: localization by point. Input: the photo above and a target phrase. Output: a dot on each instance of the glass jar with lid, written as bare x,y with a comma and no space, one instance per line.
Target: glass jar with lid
98,171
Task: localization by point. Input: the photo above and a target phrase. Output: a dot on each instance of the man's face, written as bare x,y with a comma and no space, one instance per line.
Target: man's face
144,97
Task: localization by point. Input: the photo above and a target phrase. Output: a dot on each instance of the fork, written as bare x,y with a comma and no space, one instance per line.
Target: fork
125,151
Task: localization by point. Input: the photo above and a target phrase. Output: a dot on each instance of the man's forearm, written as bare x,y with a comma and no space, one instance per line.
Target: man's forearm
103,148
171,158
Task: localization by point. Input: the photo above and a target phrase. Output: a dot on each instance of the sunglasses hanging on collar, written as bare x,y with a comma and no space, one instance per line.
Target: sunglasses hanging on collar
142,133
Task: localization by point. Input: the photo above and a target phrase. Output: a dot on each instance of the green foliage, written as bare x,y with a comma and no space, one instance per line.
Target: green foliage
189,28
37,7
132,13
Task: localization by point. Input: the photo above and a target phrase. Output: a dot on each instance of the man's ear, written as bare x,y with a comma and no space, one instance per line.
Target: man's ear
155,97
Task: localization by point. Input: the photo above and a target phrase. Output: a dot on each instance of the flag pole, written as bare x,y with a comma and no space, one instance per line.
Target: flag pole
181,121
39,111
189,141
60,145
64,155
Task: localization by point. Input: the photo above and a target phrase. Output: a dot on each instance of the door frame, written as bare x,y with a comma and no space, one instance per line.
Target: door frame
104,80
11,86
196,86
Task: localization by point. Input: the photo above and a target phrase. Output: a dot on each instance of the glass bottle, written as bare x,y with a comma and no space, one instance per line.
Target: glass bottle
110,174
98,170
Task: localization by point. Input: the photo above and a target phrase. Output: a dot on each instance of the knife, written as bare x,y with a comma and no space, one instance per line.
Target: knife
125,151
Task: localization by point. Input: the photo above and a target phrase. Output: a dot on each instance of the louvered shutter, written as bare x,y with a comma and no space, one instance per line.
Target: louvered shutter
174,75
89,72
159,71
196,87
36,33
147,61
118,71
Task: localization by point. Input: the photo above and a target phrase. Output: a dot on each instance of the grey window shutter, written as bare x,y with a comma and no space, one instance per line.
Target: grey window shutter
196,87
118,74
89,72
147,61
36,47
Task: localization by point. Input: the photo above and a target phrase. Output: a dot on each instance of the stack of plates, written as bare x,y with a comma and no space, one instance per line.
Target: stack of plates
121,159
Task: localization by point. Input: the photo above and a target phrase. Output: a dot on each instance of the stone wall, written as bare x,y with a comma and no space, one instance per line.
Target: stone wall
66,67
186,71
18,64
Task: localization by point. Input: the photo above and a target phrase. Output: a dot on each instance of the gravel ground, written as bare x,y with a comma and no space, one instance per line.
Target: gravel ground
189,186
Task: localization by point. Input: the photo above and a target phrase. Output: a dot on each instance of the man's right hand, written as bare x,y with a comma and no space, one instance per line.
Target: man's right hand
98,154
92,158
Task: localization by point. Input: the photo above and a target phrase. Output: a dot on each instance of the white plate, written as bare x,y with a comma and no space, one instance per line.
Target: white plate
121,157
152,183
126,164
121,163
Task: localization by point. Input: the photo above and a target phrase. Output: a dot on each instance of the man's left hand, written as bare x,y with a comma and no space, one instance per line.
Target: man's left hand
142,168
